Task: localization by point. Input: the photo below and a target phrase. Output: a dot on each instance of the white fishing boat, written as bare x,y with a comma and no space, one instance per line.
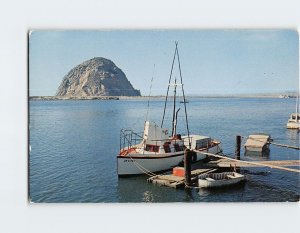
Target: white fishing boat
294,121
215,180
155,149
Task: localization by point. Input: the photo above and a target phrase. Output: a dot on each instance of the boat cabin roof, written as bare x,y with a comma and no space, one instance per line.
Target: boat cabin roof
196,137
260,136
295,114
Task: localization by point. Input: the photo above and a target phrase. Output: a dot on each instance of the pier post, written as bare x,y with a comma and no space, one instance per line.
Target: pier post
238,147
187,165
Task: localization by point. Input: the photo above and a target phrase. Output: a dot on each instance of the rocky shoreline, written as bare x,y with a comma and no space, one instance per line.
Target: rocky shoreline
96,77
144,97
73,98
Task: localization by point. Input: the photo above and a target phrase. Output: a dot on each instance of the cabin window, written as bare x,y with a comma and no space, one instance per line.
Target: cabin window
177,147
167,147
178,136
152,148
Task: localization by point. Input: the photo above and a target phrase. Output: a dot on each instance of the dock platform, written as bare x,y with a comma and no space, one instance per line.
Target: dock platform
226,163
257,142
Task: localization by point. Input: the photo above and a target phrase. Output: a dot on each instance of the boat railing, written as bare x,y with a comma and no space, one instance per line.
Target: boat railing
129,138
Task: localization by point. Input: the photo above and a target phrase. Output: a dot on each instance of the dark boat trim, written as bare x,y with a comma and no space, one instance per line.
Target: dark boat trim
143,174
152,157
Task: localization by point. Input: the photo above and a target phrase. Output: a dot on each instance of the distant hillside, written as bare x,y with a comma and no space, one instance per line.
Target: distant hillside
96,77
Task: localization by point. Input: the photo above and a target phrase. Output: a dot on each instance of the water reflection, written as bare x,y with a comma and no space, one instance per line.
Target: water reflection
264,155
148,197
293,135
219,194
189,195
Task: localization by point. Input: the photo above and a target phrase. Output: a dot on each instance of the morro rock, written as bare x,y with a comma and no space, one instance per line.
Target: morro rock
96,77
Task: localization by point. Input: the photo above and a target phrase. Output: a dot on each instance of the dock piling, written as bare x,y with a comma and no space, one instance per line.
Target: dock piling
188,154
238,147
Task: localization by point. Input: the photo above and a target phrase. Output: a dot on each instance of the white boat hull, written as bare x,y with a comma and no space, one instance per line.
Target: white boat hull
137,164
293,125
204,182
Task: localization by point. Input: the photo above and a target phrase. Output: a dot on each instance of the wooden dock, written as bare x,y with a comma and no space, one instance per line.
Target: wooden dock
221,161
226,163
269,163
177,181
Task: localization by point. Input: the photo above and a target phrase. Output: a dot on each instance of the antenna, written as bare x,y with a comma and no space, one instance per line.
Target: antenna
150,93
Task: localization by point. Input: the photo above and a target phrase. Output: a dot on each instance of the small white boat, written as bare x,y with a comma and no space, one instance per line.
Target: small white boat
157,150
257,142
214,180
294,121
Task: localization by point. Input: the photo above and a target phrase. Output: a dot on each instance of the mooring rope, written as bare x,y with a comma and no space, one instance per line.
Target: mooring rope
253,163
141,168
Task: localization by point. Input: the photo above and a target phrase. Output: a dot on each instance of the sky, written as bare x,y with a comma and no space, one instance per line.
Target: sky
213,62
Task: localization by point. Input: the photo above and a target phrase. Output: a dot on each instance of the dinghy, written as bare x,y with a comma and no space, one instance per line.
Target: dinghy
214,180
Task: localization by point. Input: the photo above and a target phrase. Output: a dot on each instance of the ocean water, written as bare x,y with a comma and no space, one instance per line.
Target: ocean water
74,146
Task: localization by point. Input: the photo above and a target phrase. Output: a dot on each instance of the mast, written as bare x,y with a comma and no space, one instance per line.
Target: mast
297,105
175,122
174,102
184,100
162,121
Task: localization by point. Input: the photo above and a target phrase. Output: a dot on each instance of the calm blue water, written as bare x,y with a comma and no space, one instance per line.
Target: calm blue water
74,146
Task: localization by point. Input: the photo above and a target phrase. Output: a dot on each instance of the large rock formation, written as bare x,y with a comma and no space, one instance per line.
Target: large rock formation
96,77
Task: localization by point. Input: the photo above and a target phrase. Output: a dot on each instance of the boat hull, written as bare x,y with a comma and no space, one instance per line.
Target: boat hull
293,125
204,182
138,164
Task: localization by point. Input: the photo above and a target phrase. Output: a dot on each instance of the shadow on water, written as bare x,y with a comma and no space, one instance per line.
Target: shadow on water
293,135
222,194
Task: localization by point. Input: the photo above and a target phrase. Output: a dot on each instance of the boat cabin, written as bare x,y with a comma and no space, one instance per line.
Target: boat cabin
294,117
156,140
197,141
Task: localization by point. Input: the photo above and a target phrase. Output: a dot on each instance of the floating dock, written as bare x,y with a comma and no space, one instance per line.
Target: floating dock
177,181
257,142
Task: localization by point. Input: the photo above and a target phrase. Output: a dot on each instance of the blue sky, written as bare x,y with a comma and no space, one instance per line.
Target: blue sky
212,61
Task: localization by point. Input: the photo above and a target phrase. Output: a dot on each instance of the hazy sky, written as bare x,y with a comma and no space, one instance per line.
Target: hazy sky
212,61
